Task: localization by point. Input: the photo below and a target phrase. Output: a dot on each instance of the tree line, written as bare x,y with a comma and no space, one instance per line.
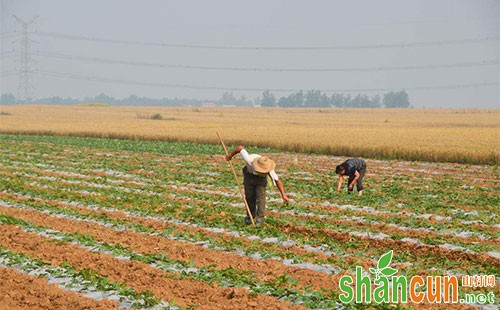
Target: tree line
315,98
309,99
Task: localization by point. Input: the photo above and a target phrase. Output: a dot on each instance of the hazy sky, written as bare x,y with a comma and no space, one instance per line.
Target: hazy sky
364,38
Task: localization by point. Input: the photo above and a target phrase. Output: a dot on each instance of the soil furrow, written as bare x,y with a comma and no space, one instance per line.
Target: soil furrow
329,209
423,250
333,210
384,228
136,275
266,270
160,226
19,290
467,258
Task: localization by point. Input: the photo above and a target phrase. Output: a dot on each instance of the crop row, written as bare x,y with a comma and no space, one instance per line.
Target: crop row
281,287
181,201
209,216
85,281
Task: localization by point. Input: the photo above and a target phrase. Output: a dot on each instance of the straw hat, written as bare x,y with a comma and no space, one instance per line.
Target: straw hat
263,164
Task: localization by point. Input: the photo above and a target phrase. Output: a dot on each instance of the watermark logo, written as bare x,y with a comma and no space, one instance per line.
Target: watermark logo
383,268
387,287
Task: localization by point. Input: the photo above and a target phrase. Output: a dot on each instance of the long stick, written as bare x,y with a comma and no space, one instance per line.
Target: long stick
237,182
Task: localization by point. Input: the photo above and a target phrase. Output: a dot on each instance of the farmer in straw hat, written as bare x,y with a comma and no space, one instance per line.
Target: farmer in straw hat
255,174
355,169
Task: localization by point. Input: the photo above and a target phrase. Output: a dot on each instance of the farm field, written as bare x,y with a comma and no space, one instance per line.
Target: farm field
124,223
442,135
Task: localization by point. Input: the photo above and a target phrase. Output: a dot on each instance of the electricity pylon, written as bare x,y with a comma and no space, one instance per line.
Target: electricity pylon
25,87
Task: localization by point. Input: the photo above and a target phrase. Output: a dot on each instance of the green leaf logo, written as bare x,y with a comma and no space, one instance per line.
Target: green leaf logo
385,260
383,268
387,272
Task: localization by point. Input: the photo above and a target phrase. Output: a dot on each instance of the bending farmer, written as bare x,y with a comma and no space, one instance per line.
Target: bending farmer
255,174
355,168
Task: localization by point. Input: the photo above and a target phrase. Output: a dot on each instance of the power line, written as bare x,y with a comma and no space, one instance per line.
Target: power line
198,87
222,47
264,69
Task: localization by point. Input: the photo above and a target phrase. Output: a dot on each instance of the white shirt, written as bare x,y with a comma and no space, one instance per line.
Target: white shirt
249,158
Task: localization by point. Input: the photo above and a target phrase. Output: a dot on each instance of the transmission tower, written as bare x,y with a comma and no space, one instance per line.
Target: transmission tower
25,87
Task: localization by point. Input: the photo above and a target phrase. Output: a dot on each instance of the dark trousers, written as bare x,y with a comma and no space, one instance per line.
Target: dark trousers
255,193
359,183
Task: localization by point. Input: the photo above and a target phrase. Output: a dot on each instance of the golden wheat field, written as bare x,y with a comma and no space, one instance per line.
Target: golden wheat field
456,135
